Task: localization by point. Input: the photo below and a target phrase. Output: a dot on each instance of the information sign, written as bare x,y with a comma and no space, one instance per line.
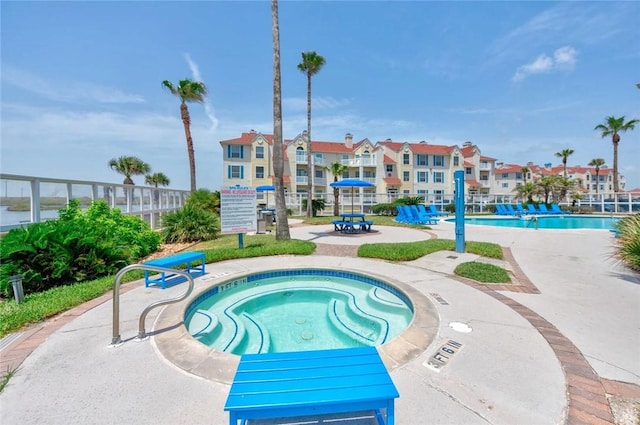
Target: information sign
238,210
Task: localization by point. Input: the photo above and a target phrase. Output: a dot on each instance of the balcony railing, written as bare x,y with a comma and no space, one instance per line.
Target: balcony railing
363,161
302,180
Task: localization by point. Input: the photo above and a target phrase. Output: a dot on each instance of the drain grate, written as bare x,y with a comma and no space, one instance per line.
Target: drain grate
453,257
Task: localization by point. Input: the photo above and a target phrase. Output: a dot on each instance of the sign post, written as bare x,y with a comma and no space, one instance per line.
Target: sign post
238,211
459,202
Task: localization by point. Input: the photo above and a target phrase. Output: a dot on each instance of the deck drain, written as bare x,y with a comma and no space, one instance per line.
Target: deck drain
460,327
453,257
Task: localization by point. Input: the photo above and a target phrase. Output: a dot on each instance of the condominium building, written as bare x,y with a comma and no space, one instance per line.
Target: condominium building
397,169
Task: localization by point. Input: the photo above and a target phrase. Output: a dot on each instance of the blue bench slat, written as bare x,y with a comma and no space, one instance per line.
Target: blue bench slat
176,259
284,364
166,278
308,372
307,355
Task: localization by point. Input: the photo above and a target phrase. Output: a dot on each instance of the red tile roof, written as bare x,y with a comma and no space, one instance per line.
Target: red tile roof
247,139
388,160
472,182
330,147
469,164
392,180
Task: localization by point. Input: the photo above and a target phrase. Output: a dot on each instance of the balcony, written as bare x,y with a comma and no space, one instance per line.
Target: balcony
485,166
301,158
302,180
363,161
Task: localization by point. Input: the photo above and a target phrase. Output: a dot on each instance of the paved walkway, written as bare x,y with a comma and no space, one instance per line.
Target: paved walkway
547,349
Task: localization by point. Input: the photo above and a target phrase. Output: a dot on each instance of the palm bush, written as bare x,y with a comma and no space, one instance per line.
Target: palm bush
628,243
316,205
191,223
76,247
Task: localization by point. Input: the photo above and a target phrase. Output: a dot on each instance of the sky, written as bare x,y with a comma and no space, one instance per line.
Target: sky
81,80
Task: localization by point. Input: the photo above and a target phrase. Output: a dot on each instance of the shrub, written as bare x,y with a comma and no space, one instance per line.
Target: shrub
190,224
73,248
410,200
205,199
482,272
628,242
316,205
385,209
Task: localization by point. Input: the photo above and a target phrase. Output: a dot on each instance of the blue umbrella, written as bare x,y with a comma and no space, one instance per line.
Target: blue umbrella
351,183
266,188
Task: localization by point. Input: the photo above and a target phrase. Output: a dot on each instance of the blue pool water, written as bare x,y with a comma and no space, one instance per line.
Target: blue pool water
541,222
298,310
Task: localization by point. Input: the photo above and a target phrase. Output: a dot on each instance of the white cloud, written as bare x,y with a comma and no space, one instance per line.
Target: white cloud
195,72
66,91
563,58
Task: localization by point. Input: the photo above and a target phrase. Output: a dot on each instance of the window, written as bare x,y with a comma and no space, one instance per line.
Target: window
456,161
235,172
319,174
423,193
438,195
438,177
421,160
505,185
259,152
405,192
438,160
405,176
259,172
518,176
484,178
389,168
505,175
468,171
405,159
421,177
235,151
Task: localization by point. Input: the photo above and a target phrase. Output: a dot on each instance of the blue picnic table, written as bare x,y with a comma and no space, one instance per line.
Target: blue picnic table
303,383
352,223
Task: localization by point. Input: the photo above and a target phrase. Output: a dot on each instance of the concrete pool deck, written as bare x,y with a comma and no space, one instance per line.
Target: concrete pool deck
545,350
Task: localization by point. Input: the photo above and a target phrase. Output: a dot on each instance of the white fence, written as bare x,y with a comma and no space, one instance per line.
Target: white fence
29,199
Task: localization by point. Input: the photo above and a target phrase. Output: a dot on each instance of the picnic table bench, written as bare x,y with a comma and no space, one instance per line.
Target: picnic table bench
352,223
165,279
304,383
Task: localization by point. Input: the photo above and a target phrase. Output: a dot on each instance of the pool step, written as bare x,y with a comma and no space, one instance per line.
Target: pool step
356,324
202,323
385,301
256,338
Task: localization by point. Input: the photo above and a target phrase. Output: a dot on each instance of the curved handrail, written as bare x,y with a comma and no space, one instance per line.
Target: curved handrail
116,340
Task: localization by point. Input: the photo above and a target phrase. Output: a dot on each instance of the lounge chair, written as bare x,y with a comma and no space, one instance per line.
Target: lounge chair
521,210
543,209
532,209
420,218
402,216
434,211
510,209
423,210
555,208
501,210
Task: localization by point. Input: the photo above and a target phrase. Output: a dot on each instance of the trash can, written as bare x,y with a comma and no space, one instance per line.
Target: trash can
267,216
262,226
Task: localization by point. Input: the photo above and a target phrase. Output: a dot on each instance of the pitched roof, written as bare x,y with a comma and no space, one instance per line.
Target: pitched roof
247,139
472,182
392,180
388,160
330,147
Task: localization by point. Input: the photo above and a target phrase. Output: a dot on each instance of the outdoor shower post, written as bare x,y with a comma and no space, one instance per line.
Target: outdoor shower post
459,203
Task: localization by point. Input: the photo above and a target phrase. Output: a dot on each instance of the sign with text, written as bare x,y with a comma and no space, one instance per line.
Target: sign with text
238,210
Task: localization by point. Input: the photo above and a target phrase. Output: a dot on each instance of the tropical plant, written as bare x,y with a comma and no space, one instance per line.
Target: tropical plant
410,200
526,191
157,179
597,163
282,226
317,205
337,169
129,166
564,154
188,91
205,199
627,248
310,66
546,186
525,171
190,224
613,126
76,247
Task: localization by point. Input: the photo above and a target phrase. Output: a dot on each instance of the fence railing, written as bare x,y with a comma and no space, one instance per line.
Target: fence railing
30,199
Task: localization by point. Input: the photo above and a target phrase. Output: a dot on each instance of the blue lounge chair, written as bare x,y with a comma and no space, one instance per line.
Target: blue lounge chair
543,209
510,210
555,208
434,211
423,210
402,216
521,210
501,210
532,209
420,218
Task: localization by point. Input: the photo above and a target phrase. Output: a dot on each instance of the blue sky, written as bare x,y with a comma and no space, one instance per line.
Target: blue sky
81,81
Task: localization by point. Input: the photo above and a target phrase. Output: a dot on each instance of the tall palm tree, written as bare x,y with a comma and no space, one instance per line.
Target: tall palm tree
564,154
156,179
525,171
129,166
337,169
188,91
282,226
310,66
613,126
597,162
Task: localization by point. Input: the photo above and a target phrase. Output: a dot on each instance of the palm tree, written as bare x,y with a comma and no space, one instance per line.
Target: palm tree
525,171
310,65
188,91
526,191
156,179
564,154
337,169
129,166
613,126
597,162
282,226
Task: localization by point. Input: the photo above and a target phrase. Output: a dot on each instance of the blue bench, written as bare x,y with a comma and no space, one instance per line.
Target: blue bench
165,279
347,226
303,383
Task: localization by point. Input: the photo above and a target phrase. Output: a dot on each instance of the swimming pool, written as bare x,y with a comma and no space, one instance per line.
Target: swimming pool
541,222
298,310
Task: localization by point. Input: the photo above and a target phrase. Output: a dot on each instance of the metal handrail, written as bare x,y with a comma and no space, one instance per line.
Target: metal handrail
116,340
